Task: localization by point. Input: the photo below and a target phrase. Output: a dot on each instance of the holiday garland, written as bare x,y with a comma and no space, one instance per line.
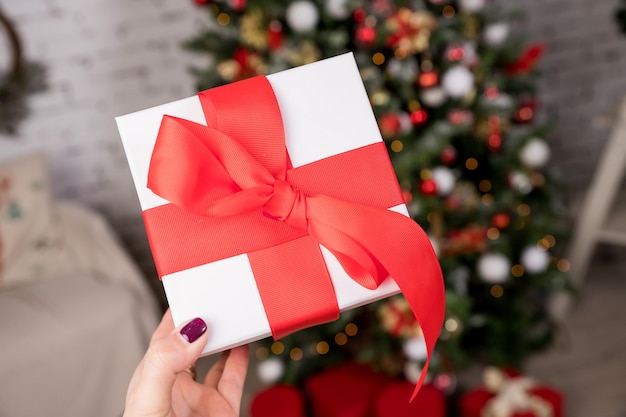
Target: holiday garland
22,79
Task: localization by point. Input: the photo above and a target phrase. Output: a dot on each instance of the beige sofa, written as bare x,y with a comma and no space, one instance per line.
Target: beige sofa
75,312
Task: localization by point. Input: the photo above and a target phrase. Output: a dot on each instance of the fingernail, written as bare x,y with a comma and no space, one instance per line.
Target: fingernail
193,330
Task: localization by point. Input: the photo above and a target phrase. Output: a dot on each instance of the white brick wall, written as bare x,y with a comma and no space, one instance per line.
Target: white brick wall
584,78
105,58
110,57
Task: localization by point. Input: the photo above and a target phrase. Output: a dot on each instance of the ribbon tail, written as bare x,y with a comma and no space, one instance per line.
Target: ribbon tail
401,246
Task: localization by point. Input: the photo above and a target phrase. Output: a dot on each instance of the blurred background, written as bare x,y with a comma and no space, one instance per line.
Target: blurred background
505,122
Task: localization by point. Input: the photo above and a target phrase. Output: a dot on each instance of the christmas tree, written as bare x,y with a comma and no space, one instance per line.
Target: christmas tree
454,93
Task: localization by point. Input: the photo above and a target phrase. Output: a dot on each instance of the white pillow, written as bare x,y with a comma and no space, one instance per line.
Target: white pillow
25,210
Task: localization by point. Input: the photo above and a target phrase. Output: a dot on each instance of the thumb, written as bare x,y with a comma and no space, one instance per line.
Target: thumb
166,357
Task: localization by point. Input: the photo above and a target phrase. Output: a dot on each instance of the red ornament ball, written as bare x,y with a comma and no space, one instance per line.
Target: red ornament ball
448,155
501,220
390,125
526,110
359,15
494,142
460,117
455,53
238,5
492,92
275,35
202,2
419,117
428,187
365,35
428,79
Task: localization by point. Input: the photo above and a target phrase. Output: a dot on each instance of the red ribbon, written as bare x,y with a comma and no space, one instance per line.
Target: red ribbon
233,190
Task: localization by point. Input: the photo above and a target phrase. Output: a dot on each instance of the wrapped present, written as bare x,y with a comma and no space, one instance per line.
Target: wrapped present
348,390
356,390
507,393
278,401
390,402
271,205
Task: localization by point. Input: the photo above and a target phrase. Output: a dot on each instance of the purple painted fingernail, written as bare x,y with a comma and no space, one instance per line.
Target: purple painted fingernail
193,330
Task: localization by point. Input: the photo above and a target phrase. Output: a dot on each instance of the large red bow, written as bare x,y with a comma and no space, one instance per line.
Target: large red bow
232,179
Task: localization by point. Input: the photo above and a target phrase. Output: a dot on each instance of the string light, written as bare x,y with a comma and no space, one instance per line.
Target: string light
550,240
471,164
351,329
484,186
322,348
378,58
380,98
448,12
523,210
397,145
223,19
341,338
296,354
262,353
497,291
493,233
563,265
414,105
277,348
400,53
517,270
487,199
426,65
451,325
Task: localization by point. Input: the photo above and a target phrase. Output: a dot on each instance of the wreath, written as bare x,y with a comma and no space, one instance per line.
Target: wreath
620,16
22,79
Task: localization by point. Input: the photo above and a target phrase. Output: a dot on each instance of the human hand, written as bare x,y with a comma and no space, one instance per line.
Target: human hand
163,384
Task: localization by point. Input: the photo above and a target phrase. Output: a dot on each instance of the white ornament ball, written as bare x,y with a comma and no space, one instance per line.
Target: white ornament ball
535,153
502,101
520,182
472,5
495,34
457,81
405,70
445,180
302,16
433,97
270,370
494,268
405,122
337,9
535,260
470,57
415,349
412,371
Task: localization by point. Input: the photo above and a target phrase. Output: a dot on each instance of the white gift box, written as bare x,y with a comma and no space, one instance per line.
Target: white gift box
326,112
